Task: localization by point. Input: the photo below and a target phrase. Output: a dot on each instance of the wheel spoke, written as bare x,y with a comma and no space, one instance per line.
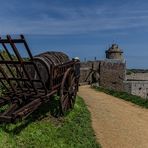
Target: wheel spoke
65,90
70,79
65,102
68,91
64,97
73,98
66,86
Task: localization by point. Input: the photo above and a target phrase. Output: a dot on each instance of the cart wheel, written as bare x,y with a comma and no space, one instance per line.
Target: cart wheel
68,91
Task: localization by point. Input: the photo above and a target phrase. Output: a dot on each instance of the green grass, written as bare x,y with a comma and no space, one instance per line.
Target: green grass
125,96
41,130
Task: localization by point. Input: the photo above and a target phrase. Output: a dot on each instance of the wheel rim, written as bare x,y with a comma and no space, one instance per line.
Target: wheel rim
68,91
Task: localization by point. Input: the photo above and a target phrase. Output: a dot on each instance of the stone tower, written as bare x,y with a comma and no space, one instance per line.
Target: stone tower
114,52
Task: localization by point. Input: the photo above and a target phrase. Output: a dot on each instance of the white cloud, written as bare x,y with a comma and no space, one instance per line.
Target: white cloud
42,18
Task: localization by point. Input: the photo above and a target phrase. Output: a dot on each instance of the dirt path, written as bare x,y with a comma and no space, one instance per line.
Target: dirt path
117,123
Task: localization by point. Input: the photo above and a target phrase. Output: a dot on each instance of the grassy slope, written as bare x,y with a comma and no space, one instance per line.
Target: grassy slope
73,131
125,96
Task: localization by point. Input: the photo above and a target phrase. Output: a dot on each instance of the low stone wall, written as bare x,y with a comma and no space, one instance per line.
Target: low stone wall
137,76
139,88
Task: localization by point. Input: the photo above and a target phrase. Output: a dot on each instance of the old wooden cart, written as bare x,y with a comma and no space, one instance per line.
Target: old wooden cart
30,82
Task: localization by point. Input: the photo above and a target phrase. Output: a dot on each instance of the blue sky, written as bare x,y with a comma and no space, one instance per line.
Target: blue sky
84,28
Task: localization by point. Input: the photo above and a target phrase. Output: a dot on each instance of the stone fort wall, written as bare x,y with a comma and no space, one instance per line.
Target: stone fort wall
137,76
138,88
137,84
85,68
110,73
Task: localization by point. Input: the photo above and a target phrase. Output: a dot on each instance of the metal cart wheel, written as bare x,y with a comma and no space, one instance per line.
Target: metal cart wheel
68,91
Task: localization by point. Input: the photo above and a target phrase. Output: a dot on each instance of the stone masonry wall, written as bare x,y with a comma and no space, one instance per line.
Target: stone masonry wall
85,69
139,88
112,74
127,87
137,76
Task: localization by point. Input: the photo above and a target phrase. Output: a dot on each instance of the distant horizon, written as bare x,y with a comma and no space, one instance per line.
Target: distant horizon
81,28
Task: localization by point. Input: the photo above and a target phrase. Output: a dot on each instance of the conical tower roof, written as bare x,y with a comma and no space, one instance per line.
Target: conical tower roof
114,48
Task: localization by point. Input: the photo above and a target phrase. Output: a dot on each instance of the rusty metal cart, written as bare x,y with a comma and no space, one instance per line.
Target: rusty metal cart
30,82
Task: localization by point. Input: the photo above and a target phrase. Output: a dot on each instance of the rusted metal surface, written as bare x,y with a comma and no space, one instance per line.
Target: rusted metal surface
68,90
31,81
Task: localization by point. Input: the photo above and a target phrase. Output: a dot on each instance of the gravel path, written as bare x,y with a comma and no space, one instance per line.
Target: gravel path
117,123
